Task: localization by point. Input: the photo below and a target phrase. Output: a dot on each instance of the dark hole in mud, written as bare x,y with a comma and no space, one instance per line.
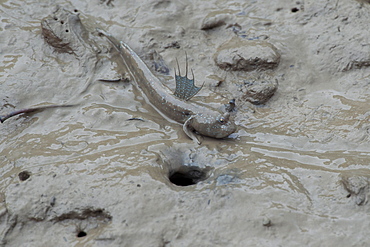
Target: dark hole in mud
75,10
295,10
81,234
186,177
67,31
23,176
62,22
181,179
349,195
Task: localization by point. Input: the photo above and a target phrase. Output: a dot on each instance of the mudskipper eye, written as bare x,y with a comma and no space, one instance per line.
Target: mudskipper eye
222,120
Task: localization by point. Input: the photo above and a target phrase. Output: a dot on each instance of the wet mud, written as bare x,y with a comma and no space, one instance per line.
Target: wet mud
110,170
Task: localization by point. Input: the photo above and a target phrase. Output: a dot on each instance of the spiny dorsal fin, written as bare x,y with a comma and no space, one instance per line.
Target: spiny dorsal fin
185,88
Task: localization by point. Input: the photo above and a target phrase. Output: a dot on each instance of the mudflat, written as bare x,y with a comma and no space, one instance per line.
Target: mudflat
111,171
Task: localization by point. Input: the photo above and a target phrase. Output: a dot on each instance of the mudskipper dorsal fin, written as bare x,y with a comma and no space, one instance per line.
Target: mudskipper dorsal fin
185,88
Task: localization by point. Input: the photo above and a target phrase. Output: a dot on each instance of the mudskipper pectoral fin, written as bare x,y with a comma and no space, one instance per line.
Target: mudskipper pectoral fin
189,131
185,88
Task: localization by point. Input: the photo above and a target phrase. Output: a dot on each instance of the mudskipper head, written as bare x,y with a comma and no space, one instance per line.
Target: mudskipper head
213,125
208,123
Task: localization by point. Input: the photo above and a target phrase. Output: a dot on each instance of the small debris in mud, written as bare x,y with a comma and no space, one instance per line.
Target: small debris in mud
52,201
227,179
159,64
173,44
245,55
24,175
266,222
219,83
230,107
357,63
363,1
123,77
214,20
135,118
109,3
258,92
236,28
114,80
29,110
85,213
358,188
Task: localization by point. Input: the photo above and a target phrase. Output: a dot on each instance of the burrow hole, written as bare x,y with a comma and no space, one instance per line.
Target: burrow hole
81,234
294,10
186,176
24,175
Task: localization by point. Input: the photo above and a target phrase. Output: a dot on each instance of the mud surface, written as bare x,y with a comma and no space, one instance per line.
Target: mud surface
111,171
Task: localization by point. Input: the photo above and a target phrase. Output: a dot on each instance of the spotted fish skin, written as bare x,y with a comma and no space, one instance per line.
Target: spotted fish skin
195,118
